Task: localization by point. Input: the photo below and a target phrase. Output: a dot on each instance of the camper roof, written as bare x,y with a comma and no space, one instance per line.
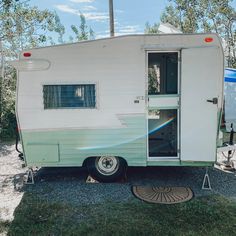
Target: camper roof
176,35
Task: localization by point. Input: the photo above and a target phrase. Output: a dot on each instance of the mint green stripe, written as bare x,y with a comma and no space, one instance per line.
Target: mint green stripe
76,145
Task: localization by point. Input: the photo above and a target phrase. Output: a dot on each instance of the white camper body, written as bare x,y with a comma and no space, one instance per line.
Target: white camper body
147,99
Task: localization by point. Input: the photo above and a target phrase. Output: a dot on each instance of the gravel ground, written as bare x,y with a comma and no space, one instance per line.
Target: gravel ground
11,181
68,184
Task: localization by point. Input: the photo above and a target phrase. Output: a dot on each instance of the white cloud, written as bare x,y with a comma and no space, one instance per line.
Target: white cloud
89,8
66,8
82,1
120,30
95,16
128,29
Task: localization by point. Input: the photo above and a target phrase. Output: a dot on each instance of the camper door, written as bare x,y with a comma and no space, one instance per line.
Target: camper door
183,104
163,105
201,71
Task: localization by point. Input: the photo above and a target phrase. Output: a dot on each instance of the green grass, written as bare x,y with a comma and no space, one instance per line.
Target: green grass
213,215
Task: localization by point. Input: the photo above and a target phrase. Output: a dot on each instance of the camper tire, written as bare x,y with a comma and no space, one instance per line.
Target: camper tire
106,168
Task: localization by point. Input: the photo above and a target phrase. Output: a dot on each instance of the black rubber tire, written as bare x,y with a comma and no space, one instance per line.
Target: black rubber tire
118,175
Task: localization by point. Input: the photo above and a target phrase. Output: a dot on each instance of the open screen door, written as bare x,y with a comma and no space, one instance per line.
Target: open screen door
201,78
163,106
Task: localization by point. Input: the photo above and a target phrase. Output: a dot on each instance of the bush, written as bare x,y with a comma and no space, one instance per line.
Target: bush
8,118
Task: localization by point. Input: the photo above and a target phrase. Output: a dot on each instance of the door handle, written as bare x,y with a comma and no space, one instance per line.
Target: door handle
214,100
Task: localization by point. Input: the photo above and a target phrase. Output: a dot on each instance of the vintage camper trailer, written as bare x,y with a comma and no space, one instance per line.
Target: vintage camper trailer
138,100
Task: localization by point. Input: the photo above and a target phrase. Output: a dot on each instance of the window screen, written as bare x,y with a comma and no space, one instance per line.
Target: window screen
69,96
162,133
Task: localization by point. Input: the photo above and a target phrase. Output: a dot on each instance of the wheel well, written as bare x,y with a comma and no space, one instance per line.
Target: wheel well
88,158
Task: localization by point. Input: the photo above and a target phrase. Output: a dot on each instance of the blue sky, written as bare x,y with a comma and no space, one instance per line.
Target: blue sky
130,15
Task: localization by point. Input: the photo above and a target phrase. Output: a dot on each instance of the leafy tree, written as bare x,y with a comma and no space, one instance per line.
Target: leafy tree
8,120
83,32
151,29
192,16
58,28
21,27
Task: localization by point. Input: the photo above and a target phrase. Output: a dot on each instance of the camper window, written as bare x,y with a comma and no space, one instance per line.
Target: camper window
162,73
69,96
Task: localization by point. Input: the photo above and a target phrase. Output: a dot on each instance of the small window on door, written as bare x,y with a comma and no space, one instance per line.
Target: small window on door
162,73
162,133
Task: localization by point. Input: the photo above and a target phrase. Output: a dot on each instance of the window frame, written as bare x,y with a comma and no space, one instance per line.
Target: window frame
72,83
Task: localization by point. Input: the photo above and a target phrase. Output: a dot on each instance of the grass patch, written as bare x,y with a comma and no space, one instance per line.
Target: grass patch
213,215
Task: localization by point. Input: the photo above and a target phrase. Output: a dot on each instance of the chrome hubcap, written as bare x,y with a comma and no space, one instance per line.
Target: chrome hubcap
107,165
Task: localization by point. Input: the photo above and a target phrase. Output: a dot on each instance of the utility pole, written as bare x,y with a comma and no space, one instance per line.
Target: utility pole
111,14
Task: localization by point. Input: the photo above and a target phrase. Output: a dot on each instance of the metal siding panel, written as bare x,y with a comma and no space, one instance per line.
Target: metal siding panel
42,153
77,145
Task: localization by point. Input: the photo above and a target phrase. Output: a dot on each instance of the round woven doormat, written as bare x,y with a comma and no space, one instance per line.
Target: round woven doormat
163,195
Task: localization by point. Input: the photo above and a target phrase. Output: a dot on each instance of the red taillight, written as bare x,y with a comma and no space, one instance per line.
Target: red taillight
208,40
27,54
